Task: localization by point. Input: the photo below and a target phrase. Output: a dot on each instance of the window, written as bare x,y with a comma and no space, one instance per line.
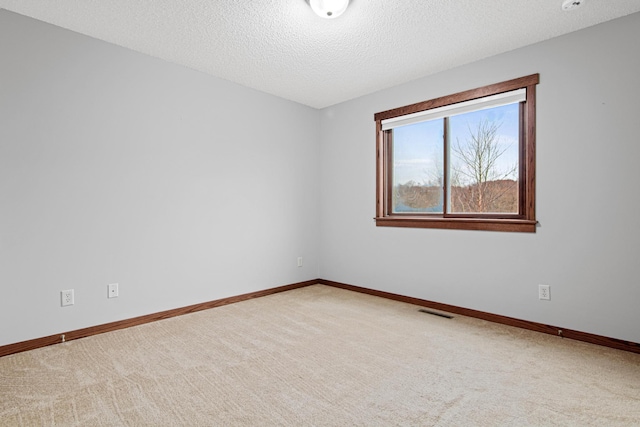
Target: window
463,161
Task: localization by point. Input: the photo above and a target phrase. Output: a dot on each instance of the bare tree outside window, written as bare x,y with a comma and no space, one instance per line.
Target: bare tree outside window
480,181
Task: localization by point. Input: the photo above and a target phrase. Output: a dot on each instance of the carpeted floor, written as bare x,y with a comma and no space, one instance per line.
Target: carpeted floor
325,357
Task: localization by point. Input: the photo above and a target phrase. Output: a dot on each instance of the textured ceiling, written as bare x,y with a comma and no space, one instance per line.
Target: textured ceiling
281,47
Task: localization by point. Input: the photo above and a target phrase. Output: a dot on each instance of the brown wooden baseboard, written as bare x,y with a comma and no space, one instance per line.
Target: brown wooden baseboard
121,324
524,324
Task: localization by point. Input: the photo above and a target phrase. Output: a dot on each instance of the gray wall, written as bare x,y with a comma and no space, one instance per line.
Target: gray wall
117,167
587,245
183,188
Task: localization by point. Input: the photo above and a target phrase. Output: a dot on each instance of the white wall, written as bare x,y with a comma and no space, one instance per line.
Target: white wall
588,151
117,167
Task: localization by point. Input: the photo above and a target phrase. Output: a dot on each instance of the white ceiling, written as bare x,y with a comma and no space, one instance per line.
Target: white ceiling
281,47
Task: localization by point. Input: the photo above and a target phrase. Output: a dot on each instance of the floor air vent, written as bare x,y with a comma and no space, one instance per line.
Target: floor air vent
435,313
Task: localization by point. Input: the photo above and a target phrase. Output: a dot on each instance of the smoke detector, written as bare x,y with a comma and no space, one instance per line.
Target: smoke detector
568,5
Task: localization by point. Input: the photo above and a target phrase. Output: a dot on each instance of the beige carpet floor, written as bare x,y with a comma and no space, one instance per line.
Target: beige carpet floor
320,356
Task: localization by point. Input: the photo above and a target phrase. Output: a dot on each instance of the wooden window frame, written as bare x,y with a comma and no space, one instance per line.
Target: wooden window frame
524,221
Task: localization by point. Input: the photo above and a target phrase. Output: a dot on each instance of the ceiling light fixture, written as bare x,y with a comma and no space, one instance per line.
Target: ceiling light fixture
329,8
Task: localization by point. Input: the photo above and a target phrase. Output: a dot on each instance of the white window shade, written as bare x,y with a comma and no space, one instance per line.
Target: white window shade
491,101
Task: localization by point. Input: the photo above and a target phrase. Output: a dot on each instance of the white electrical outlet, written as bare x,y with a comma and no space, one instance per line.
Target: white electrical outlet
544,292
66,297
112,290
299,261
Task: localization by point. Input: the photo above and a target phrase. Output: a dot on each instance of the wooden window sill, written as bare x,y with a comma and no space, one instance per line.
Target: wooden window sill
486,224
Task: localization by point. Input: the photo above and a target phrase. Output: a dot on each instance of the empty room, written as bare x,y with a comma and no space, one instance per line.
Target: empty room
319,213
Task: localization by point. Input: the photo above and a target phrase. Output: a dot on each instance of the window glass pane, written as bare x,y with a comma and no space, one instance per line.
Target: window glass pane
483,153
417,179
